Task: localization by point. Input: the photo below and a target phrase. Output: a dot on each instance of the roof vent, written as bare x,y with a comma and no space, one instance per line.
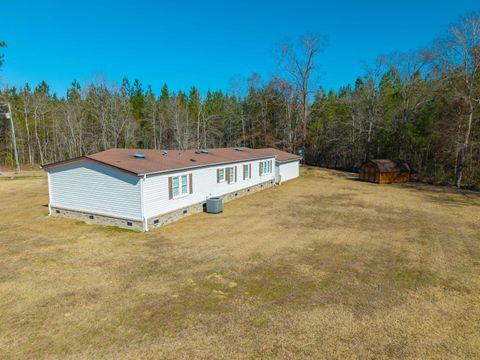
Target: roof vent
139,155
204,151
193,160
238,149
165,152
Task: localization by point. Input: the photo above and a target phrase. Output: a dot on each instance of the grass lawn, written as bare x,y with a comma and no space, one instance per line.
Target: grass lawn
320,267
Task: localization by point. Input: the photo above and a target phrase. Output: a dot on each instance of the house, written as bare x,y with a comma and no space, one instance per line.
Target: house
143,189
385,171
286,164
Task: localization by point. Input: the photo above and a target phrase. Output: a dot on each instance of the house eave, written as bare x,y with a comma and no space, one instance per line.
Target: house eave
46,167
287,161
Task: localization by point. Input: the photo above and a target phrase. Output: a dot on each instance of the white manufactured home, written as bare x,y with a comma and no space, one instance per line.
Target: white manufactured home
142,189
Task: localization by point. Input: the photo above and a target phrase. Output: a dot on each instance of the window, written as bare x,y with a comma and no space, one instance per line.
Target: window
184,184
265,167
180,185
246,171
231,175
176,187
221,175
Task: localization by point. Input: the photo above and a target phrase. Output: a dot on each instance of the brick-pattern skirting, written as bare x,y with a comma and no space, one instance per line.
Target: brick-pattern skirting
164,219
156,221
92,218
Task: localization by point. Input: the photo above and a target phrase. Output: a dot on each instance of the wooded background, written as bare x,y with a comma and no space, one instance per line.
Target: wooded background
420,106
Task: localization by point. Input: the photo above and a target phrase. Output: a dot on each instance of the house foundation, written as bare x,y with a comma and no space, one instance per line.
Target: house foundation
168,218
93,218
155,221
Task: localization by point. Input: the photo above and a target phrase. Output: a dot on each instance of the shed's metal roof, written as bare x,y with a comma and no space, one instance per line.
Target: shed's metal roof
386,165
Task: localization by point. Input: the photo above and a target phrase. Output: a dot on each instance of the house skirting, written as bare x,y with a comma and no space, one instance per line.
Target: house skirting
172,216
94,218
154,221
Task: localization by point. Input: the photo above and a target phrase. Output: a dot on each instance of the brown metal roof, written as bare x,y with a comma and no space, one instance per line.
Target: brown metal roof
385,165
280,155
169,160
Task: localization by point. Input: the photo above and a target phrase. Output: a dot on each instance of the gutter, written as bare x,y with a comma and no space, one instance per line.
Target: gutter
49,195
288,161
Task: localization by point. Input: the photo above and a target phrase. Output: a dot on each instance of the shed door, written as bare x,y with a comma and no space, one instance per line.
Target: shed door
370,173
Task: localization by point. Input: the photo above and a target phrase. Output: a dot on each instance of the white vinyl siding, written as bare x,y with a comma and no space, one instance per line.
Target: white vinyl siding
88,186
288,170
205,184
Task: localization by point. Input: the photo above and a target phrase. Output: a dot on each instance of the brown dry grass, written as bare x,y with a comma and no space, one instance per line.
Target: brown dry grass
322,266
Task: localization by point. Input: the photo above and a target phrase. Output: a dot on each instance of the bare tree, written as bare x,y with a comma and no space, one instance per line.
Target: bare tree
459,56
299,61
179,116
407,69
238,90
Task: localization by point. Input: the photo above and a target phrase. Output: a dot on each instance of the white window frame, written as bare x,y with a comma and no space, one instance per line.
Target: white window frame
231,172
266,168
246,171
221,175
180,178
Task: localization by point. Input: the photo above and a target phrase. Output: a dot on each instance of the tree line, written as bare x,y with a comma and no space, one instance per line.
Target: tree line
421,106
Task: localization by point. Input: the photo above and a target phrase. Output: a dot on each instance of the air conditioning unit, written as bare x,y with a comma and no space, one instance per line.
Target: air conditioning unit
214,205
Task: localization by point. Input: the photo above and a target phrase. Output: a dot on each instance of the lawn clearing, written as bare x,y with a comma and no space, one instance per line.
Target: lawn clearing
322,266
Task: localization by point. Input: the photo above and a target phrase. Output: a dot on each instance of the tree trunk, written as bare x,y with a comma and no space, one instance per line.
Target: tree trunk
463,150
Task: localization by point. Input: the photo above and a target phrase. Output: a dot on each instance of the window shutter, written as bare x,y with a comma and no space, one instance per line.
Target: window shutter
244,173
190,180
236,173
227,174
271,164
218,175
170,188
260,168
250,171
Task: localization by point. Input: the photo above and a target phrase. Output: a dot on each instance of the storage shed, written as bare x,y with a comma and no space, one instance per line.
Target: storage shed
385,171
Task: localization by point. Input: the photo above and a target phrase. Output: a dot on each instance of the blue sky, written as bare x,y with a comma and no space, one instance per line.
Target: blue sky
207,43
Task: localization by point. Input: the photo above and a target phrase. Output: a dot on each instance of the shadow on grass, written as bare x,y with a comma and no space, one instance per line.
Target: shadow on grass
358,180
120,230
444,195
